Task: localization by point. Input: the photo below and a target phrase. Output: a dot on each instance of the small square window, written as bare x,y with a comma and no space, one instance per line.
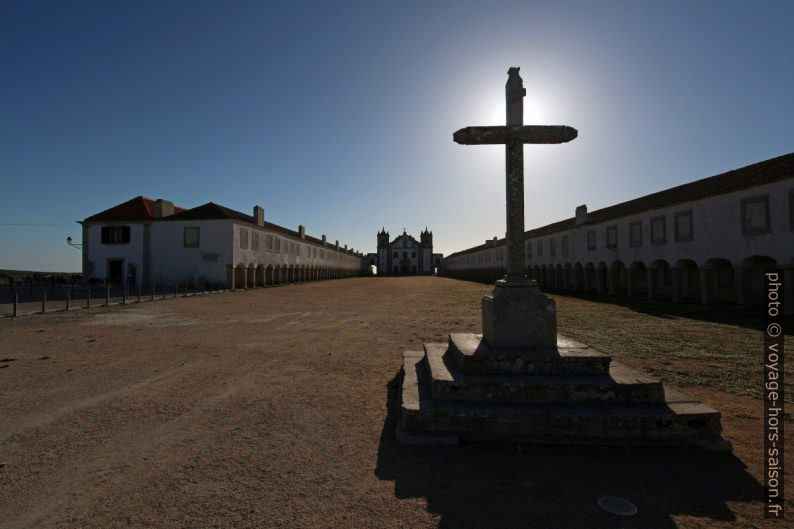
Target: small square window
635,233
755,215
591,240
658,231
612,236
565,245
115,235
191,237
683,226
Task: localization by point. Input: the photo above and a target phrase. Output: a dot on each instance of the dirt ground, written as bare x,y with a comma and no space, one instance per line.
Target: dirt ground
276,408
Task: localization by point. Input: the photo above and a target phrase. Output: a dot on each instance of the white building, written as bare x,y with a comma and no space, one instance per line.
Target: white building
706,241
145,242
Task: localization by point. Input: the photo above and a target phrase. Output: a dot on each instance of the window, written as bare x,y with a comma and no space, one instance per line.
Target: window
269,242
552,246
278,245
529,249
635,233
612,236
396,255
255,241
565,245
243,239
658,231
683,226
115,234
755,215
540,247
191,237
591,240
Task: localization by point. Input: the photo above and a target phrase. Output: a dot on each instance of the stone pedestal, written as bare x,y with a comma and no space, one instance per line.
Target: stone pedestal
518,314
521,382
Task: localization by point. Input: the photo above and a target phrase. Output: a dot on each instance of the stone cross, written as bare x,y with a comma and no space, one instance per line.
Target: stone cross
514,135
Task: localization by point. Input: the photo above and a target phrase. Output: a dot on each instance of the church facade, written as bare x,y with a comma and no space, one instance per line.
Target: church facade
405,255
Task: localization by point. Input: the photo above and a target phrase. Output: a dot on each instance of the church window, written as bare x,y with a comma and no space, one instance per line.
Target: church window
552,246
191,237
612,236
658,231
635,233
755,215
243,239
591,240
278,245
115,234
255,241
683,226
269,242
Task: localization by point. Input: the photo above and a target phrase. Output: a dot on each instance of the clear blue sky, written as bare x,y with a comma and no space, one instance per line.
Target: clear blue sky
339,115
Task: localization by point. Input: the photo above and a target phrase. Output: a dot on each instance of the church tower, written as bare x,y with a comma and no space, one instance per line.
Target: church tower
383,252
426,252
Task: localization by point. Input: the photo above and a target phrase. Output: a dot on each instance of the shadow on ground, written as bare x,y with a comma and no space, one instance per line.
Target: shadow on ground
492,486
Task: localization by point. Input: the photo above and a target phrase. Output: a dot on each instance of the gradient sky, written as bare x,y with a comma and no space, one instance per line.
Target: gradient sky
339,115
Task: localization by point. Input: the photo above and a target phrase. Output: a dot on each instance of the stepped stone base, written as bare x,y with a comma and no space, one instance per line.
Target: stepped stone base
466,390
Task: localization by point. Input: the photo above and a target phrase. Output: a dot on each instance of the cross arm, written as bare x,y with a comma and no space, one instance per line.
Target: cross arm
526,134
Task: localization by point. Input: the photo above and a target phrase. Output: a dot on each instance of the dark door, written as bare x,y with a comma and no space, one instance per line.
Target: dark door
115,270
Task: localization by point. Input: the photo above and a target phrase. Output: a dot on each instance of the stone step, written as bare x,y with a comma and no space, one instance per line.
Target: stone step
621,385
474,355
678,421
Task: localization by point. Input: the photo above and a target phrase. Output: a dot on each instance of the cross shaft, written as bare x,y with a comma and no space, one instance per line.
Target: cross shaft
514,135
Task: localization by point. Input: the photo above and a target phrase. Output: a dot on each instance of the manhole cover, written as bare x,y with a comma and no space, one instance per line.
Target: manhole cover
617,505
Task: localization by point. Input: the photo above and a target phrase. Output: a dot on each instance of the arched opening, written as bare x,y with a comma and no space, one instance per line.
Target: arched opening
602,275
718,282
686,281
618,278
578,277
590,277
269,272
637,279
751,290
259,278
239,276
660,280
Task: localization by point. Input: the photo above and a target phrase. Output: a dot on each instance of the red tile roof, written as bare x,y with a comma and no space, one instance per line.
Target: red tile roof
138,208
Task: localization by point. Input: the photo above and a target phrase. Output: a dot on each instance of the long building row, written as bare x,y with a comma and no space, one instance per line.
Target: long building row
707,241
144,242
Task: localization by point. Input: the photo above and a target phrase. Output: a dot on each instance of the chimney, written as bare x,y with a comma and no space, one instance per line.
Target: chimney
259,215
337,244
302,231
163,208
345,247
581,214
324,240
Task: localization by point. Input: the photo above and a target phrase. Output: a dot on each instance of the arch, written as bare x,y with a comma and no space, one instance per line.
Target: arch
269,272
578,277
637,280
718,281
750,290
660,280
617,280
686,281
259,276
240,272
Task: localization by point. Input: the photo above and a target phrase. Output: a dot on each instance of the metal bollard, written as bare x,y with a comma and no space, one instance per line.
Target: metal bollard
16,302
124,295
68,299
88,298
43,300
